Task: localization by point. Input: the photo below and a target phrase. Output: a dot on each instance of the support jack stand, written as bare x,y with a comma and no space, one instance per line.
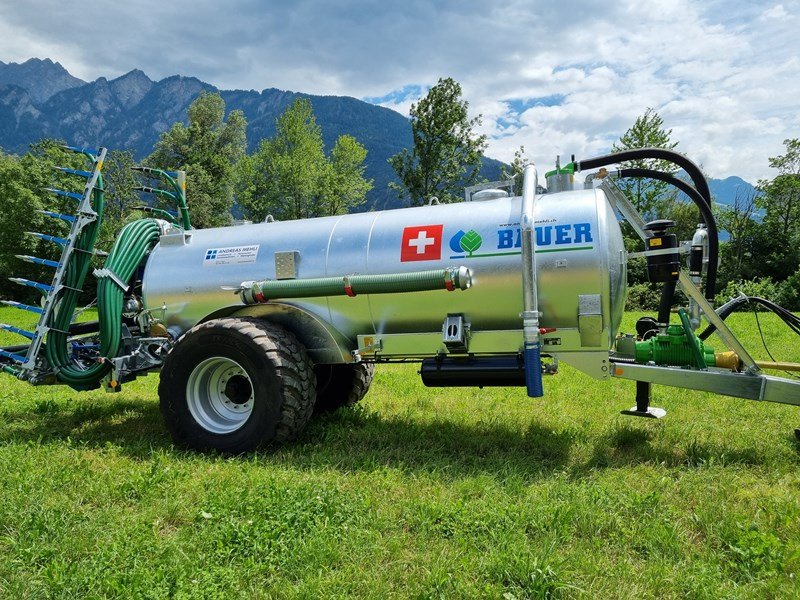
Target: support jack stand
643,408
651,413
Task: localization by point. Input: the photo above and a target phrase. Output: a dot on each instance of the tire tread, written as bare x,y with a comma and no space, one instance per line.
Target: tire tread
292,365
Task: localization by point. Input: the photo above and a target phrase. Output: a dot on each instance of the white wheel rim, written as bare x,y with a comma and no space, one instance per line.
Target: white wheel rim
220,395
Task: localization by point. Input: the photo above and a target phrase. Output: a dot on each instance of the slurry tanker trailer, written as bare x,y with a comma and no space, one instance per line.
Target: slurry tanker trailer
255,326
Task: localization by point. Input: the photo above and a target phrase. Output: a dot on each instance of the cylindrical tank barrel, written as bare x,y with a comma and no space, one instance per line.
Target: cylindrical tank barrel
579,255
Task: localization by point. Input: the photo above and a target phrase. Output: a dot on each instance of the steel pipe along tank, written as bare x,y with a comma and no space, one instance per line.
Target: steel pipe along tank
580,274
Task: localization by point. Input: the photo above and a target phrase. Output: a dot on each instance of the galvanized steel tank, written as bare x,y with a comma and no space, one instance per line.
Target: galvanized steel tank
579,256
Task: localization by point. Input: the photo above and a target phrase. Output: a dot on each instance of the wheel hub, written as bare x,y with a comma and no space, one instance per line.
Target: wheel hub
238,389
220,395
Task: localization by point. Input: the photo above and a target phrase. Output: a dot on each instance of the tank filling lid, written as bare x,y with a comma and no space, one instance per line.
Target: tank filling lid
490,194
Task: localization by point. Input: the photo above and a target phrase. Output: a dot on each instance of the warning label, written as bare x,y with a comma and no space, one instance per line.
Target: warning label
235,255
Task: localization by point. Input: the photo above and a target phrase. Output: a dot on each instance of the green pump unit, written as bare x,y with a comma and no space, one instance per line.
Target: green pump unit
673,348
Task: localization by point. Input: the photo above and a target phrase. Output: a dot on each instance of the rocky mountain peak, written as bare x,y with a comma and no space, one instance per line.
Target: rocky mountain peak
131,87
42,78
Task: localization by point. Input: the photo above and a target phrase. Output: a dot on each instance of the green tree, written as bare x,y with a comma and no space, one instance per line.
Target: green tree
780,199
23,180
39,163
781,196
120,197
739,221
515,170
283,175
346,187
647,132
446,155
684,214
20,203
290,177
208,149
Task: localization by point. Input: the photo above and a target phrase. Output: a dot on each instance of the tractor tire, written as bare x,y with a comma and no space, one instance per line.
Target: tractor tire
234,385
341,385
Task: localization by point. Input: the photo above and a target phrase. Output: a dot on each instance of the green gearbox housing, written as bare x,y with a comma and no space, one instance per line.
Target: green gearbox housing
673,348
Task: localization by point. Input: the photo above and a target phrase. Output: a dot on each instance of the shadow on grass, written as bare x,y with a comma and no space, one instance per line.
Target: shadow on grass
629,444
350,439
135,426
358,439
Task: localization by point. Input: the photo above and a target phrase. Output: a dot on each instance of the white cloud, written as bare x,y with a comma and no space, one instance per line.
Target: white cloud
776,12
724,75
727,90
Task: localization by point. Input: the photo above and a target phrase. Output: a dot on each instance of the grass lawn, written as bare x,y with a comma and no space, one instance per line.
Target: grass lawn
418,492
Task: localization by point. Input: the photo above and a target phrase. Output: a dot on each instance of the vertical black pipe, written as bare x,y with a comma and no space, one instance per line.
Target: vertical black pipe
642,396
667,296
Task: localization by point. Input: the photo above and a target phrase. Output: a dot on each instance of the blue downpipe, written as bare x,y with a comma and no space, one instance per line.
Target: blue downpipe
533,369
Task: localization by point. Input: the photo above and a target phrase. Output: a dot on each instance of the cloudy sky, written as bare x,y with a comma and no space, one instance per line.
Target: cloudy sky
563,77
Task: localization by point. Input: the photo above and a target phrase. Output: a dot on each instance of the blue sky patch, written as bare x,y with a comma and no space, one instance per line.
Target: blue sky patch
519,105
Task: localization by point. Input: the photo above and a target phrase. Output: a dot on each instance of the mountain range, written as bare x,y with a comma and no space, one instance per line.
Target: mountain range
40,98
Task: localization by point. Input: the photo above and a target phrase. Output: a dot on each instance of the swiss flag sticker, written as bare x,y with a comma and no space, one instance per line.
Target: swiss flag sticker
423,242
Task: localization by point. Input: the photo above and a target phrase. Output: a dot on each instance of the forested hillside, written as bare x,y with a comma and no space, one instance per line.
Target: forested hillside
40,99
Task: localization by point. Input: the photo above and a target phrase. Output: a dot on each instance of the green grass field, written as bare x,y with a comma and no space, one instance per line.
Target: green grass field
417,493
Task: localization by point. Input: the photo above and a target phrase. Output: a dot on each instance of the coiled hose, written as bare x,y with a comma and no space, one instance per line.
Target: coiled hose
132,246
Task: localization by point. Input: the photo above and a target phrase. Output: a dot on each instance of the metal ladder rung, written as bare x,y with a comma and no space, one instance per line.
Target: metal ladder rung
23,332
38,261
89,151
18,358
21,306
78,172
42,287
66,194
67,218
48,238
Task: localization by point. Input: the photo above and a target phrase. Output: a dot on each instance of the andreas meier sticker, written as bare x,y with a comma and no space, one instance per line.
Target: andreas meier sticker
234,255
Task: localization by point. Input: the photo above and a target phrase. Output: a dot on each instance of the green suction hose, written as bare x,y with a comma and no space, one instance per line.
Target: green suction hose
450,279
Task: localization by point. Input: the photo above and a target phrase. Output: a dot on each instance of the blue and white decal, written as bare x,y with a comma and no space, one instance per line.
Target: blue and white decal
233,255
550,237
547,235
